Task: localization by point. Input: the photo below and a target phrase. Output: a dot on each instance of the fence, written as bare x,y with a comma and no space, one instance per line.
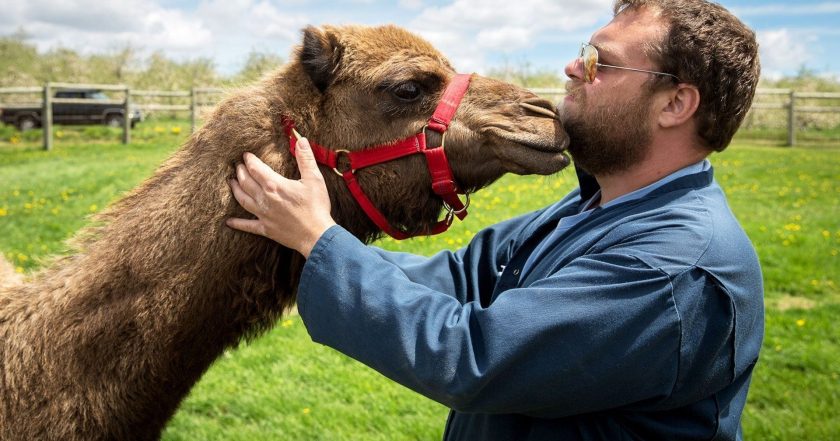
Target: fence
190,101
801,109
798,109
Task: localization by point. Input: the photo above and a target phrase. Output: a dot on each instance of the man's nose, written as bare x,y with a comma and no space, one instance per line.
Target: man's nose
574,69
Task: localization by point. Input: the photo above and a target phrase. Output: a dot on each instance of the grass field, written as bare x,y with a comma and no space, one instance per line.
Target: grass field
282,386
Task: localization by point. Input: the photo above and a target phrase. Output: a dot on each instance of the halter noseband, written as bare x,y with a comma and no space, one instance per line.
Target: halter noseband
443,182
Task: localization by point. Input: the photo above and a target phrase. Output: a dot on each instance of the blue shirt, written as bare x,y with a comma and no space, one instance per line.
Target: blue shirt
642,321
588,207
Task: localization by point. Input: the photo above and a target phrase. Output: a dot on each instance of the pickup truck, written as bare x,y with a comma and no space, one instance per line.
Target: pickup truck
100,110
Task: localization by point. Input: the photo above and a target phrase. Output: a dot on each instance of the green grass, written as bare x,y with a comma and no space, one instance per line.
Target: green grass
282,386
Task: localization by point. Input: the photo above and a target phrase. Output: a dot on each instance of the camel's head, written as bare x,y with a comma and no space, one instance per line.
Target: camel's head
355,87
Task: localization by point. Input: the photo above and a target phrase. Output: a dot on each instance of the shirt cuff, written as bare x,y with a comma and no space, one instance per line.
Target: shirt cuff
320,268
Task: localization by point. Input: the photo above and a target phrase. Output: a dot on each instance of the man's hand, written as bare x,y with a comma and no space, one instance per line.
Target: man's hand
292,213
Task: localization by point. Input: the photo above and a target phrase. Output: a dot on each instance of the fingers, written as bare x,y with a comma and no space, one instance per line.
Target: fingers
244,199
248,184
252,226
306,160
260,172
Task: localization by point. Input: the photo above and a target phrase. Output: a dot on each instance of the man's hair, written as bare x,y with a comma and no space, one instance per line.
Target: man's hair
709,47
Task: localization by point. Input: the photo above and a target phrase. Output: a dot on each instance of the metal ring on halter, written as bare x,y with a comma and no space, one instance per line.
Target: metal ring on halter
453,211
442,136
335,169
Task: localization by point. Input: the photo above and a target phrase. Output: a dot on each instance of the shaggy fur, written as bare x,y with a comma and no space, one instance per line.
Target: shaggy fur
105,343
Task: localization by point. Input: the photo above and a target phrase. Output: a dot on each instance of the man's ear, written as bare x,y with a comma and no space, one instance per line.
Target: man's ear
320,56
681,106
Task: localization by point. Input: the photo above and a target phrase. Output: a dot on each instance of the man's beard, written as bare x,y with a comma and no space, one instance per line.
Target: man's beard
609,139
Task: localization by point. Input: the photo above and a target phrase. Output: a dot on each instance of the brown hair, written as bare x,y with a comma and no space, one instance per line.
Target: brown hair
707,46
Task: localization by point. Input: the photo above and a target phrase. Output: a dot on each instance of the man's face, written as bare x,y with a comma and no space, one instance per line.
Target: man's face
610,122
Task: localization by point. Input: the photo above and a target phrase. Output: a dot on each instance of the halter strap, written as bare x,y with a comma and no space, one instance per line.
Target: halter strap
443,181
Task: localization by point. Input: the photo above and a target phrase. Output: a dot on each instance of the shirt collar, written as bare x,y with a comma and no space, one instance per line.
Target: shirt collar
594,193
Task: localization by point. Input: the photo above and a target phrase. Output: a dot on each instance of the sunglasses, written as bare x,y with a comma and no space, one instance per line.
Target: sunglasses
589,58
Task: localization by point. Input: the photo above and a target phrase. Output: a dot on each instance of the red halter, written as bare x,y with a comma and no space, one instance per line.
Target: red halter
443,183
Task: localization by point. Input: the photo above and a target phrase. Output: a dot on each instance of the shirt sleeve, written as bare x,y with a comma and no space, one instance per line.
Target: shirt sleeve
468,274
600,333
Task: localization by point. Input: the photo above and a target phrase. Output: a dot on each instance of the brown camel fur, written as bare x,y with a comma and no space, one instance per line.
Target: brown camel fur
105,343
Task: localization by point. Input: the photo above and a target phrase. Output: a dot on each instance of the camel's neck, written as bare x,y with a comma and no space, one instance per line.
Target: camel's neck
161,288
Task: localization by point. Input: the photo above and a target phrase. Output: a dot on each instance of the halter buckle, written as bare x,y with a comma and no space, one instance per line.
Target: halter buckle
452,211
442,136
337,153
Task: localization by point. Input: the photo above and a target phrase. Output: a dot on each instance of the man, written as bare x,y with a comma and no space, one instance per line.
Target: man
630,309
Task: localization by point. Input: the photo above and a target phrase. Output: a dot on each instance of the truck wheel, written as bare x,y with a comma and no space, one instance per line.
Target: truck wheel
114,121
26,123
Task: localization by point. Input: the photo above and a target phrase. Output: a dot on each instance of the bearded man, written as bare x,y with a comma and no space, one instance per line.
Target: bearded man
630,309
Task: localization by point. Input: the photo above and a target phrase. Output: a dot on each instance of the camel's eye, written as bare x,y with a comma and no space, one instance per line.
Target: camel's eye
408,91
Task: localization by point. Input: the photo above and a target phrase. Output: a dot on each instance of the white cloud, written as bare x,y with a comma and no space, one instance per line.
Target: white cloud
411,4
93,26
468,31
782,52
788,9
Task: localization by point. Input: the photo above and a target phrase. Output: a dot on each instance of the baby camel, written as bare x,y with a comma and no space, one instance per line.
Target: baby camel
105,343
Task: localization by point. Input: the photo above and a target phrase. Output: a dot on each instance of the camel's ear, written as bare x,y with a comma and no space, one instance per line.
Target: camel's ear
320,56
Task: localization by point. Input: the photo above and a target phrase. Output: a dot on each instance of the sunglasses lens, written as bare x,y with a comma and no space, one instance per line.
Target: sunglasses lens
589,57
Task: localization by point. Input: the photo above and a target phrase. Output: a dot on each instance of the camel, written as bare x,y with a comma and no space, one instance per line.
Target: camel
103,344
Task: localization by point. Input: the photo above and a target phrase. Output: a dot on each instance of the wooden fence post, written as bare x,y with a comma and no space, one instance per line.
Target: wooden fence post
126,138
47,116
193,109
791,141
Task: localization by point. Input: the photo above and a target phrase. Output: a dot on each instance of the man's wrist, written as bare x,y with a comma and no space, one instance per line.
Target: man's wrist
313,238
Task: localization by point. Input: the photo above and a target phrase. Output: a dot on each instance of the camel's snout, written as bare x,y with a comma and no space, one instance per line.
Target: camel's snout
539,106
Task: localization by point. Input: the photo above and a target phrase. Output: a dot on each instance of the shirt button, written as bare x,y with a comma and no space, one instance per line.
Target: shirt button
516,272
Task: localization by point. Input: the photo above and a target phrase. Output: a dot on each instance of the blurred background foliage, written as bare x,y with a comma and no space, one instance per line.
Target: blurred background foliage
22,64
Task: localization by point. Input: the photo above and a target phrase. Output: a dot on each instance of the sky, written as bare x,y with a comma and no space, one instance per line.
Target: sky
476,35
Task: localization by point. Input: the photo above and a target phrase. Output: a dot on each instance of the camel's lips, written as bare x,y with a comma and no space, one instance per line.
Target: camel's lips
530,141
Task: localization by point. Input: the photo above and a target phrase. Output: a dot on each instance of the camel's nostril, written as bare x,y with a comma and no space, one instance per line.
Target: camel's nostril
539,105
540,110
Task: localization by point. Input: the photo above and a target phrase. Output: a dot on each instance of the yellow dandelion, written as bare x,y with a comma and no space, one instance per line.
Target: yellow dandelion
59,134
778,348
19,270
793,227
14,140
286,323
800,322
22,257
176,130
3,211
306,411
93,208
826,234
